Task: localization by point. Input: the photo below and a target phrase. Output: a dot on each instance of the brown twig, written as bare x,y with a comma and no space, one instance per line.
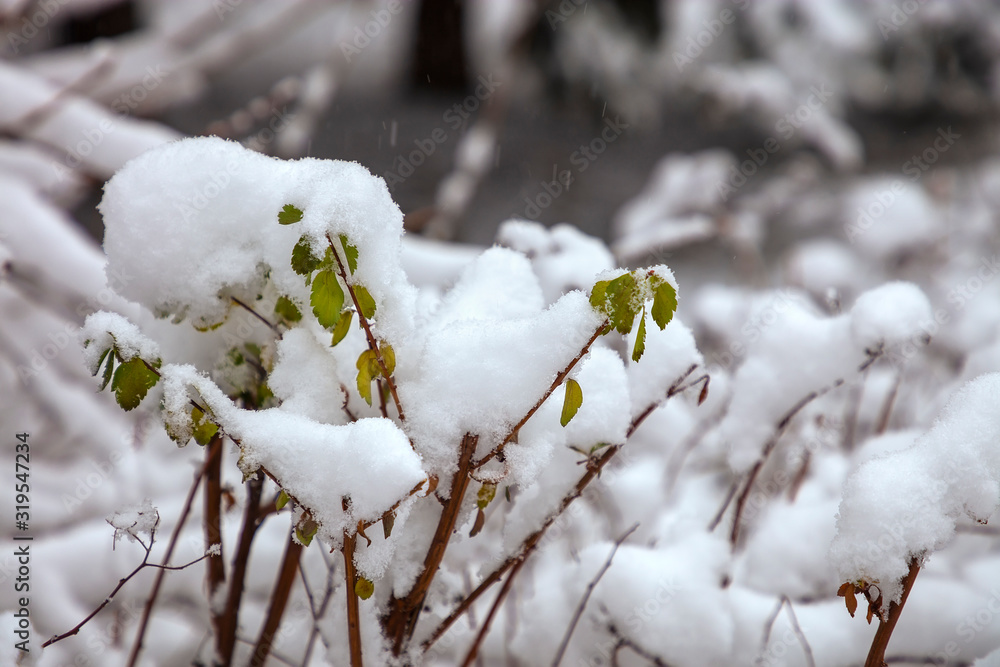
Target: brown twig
772,442
372,343
586,596
886,412
560,377
404,612
121,582
481,635
353,610
279,599
260,317
876,655
230,615
215,572
785,602
155,591
531,542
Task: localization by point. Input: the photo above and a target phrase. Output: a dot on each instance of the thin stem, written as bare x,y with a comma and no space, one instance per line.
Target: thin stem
253,312
372,343
215,572
560,377
586,596
121,583
279,599
155,591
876,655
353,610
230,615
531,542
474,649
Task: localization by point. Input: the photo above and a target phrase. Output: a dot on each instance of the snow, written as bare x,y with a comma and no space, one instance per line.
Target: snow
905,504
369,462
136,521
103,330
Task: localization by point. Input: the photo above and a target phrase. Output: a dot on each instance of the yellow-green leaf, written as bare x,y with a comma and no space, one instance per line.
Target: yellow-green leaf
366,373
598,294
664,303
363,588
306,531
289,215
327,299
620,302
131,382
486,494
388,357
106,378
351,252
287,309
343,326
365,301
282,500
572,401
640,337
203,429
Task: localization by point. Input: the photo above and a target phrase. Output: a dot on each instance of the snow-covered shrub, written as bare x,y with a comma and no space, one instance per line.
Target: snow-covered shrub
415,422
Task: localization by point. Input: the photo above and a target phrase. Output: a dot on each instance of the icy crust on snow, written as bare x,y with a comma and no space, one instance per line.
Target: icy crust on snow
905,504
195,221
105,330
796,352
369,461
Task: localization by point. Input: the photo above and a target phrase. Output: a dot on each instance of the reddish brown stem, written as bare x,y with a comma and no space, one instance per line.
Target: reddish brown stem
372,343
531,542
474,649
404,612
230,615
279,599
876,655
215,570
353,610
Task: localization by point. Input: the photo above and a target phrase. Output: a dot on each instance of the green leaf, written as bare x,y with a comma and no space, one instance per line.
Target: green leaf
303,261
100,362
351,252
132,381
620,301
203,429
306,532
365,301
282,500
487,492
388,357
598,294
107,369
343,326
289,215
572,401
363,588
327,299
236,357
287,310
367,370
664,303
640,337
